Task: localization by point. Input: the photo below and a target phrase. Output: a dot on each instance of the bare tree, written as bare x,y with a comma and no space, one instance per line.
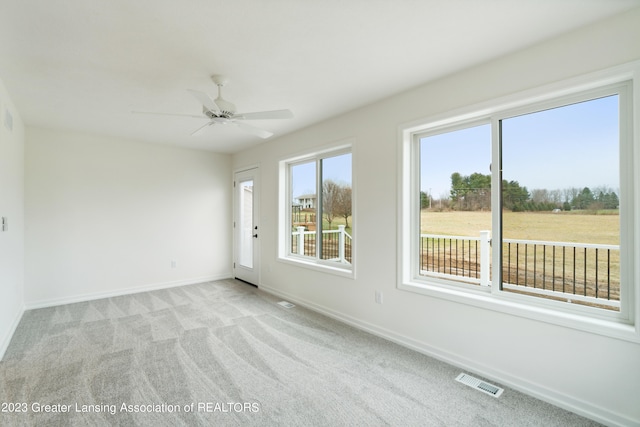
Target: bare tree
330,195
556,196
570,193
343,205
540,195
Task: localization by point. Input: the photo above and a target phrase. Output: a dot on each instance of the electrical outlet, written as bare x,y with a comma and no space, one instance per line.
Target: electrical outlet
379,297
5,223
173,264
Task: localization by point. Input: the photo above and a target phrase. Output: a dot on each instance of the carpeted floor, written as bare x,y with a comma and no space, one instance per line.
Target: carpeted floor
224,353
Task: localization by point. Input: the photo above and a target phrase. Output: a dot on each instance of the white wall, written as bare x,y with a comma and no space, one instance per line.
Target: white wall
106,216
12,207
591,374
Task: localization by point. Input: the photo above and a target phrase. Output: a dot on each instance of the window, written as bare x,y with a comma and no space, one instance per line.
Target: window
455,203
318,219
560,203
526,206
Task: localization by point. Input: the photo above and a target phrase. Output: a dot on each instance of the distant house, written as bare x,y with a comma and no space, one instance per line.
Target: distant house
306,201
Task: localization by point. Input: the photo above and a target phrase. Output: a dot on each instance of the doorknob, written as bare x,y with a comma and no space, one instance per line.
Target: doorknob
255,235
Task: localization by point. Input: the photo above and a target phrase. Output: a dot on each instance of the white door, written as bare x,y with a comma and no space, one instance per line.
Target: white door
246,265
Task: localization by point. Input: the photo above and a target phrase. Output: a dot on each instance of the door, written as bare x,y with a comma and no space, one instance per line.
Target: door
246,263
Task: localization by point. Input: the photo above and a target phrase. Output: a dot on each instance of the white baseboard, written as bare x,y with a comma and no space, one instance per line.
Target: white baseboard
562,400
6,339
123,291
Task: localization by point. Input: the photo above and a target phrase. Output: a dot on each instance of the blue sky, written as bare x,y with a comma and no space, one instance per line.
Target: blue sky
465,151
573,146
336,168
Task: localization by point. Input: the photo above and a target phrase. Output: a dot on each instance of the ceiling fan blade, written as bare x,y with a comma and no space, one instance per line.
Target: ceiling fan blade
195,116
204,99
201,128
253,130
265,115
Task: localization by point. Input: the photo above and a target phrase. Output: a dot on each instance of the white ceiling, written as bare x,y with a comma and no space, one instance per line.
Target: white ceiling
84,65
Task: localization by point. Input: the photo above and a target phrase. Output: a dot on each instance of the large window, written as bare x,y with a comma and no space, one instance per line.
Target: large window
526,205
318,219
561,203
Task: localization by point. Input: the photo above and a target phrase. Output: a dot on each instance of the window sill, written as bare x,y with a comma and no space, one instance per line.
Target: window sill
322,267
510,304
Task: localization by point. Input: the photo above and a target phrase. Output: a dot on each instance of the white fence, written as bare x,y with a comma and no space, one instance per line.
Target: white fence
336,244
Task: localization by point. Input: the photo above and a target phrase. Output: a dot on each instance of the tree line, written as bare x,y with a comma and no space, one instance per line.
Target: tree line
473,192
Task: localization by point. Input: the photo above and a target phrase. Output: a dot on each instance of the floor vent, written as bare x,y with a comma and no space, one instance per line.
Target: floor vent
479,385
286,304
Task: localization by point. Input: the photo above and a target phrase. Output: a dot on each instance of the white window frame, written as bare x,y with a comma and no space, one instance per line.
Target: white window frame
285,202
623,80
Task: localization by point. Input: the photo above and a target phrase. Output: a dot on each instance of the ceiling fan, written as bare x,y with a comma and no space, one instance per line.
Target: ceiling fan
219,111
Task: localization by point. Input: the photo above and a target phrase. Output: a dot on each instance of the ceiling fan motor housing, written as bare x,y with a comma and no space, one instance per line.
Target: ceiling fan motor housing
217,114
227,109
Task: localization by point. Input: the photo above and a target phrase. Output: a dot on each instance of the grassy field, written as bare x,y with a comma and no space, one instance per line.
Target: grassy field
557,227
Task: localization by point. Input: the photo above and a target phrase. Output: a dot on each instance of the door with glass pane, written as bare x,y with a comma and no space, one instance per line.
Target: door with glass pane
246,233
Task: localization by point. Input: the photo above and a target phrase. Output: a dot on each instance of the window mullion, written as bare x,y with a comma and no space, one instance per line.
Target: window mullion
288,221
496,204
628,193
416,219
319,211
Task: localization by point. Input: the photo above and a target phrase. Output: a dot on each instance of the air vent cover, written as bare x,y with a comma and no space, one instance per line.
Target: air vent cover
480,385
286,304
